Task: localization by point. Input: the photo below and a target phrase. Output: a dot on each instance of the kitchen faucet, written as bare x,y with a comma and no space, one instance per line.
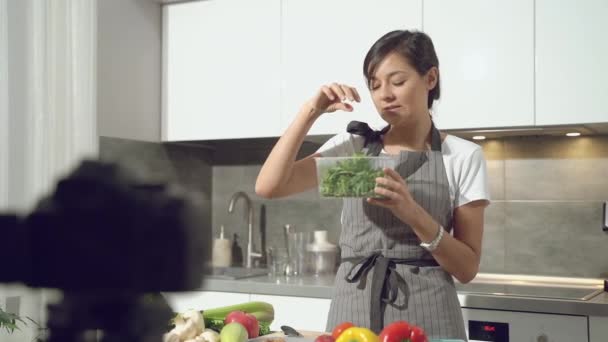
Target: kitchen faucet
250,253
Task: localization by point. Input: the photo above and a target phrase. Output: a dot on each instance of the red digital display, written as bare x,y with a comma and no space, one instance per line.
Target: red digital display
489,331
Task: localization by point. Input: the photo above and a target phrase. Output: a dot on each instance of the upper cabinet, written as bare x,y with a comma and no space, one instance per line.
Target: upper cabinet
244,68
571,61
486,62
221,69
326,41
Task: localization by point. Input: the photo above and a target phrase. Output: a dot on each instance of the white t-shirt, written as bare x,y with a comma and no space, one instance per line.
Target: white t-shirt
464,163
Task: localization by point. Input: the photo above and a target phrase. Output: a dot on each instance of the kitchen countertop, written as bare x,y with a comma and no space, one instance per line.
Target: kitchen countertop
476,294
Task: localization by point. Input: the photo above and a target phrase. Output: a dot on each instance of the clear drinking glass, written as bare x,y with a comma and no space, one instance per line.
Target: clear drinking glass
277,260
298,254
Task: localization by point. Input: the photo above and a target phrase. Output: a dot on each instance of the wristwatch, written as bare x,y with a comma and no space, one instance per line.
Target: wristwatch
432,245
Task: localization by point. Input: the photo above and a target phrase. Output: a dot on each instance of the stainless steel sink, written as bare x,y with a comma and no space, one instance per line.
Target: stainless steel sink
232,273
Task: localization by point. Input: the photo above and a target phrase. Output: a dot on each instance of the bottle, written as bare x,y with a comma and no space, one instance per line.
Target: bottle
237,252
222,251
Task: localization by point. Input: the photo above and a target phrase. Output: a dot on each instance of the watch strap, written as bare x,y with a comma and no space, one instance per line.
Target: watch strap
432,245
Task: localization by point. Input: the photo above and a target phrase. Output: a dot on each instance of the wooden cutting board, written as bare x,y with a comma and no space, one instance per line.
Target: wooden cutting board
307,336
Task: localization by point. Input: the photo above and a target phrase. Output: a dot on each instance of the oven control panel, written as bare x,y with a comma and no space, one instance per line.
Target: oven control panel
512,326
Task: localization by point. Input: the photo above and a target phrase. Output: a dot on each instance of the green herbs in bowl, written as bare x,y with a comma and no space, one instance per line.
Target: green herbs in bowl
350,176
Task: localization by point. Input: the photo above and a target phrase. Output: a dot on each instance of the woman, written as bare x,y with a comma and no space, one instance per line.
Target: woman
397,256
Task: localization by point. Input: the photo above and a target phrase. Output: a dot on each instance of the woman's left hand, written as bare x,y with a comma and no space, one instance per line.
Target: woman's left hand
397,196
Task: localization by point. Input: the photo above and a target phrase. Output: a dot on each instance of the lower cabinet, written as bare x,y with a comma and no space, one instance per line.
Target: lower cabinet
301,313
598,329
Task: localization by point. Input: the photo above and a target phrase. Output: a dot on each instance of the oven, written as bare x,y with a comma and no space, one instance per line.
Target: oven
535,321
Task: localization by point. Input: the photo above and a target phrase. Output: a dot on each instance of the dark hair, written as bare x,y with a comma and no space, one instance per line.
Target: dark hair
417,47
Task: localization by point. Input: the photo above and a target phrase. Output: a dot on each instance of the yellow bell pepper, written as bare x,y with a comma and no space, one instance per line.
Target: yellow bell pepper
358,334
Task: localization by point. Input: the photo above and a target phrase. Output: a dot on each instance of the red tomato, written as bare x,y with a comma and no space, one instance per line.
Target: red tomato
398,331
247,320
418,335
324,338
340,328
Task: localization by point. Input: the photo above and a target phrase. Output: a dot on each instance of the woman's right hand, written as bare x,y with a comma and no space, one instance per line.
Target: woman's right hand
332,97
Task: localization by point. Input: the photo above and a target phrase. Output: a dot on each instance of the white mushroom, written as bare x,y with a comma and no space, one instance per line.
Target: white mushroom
210,335
189,330
197,318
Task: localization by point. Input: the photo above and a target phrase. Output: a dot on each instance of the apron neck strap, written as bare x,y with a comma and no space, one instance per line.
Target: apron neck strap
435,138
375,137
362,128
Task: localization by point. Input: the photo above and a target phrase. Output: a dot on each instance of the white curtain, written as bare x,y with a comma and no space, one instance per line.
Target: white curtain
47,109
48,92
4,139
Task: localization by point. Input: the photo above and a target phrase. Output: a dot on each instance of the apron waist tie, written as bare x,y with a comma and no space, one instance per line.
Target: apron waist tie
386,282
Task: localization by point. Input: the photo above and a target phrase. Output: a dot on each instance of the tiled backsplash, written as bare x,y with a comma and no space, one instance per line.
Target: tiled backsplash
547,206
544,219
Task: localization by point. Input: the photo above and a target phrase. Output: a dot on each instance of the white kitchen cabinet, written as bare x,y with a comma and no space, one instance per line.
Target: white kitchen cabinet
221,74
302,313
486,61
571,61
326,41
200,300
246,73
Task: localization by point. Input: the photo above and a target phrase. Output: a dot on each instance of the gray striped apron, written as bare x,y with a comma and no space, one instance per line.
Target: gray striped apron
385,275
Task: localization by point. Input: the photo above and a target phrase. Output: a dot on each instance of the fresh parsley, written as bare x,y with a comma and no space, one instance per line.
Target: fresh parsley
354,177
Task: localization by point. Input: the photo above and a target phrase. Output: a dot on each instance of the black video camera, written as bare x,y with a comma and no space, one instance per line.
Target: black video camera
108,241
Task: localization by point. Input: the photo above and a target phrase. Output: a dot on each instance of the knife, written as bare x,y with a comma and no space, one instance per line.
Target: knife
289,331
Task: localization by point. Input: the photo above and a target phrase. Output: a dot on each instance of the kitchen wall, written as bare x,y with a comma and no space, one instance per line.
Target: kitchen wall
544,219
129,40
